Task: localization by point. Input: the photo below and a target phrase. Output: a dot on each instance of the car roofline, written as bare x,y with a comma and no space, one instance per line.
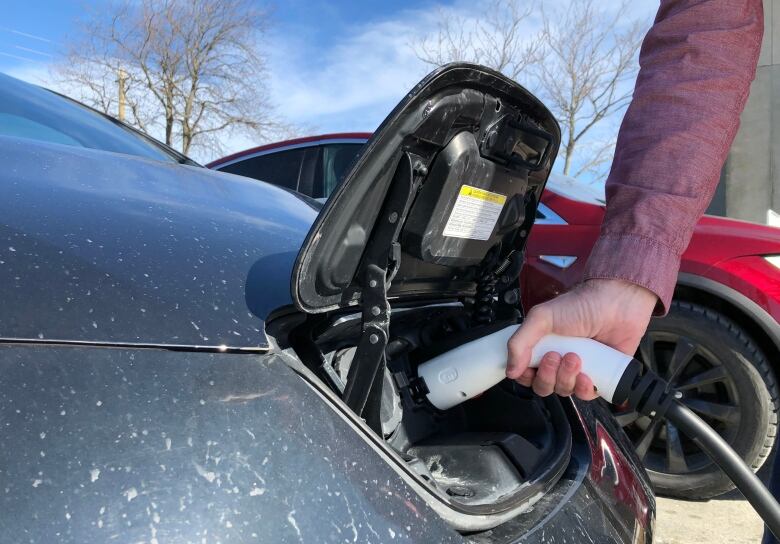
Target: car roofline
288,143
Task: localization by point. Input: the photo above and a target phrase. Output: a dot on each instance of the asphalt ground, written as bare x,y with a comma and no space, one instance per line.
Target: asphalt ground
727,519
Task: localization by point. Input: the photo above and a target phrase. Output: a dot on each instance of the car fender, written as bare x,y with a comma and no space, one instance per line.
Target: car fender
760,316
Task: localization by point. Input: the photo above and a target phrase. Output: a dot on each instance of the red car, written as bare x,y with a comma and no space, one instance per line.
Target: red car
720,343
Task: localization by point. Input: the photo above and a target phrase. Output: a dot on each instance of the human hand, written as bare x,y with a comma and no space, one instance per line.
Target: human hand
614,312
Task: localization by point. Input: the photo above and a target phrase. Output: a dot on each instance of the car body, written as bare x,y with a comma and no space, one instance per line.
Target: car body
161,379
729,285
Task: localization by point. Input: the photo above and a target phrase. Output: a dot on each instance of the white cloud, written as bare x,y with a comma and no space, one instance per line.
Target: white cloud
357,79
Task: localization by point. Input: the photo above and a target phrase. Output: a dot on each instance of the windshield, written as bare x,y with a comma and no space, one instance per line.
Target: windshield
28,111
576,190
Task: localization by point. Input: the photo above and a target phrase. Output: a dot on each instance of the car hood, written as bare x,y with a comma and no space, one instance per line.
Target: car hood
717,239
714,239
444,190
101,247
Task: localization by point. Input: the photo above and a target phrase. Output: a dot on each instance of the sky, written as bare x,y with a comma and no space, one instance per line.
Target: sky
334,65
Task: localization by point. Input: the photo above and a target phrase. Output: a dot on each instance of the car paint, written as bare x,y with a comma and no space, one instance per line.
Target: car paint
753,277
148,445
109,248
139,444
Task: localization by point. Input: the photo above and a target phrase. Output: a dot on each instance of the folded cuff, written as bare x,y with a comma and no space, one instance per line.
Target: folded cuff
638,260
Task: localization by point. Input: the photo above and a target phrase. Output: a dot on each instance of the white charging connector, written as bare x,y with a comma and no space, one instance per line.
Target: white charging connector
470,369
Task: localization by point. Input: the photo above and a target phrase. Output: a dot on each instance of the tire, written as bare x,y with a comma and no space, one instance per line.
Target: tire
725,378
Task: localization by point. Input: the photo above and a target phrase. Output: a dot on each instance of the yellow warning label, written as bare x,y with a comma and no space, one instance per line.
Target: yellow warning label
474,214
481,194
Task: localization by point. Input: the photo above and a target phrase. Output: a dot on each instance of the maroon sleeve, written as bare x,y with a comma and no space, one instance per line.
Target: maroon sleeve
696,66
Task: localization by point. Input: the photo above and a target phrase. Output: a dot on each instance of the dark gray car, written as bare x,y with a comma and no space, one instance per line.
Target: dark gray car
190,356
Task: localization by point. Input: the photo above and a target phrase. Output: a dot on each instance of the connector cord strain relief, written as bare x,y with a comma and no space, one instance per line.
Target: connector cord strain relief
643,390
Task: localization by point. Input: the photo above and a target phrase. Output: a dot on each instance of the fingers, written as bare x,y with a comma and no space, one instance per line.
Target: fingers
567,374
546,374
584,388
537,324
557,374
560,375
527,377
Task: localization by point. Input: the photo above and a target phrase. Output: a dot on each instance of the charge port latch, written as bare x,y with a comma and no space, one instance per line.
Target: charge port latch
415,386
516,142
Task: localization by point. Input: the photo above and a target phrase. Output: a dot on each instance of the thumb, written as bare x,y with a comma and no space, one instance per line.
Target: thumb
536,325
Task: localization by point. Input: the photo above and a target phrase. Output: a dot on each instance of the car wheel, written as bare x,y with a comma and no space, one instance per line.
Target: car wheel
725,379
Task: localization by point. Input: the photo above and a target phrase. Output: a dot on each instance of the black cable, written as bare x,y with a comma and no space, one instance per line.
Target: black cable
729,461
650,395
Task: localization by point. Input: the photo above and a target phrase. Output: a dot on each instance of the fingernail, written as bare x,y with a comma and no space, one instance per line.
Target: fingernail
568,364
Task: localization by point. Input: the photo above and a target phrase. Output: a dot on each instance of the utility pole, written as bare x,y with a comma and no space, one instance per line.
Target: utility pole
121,80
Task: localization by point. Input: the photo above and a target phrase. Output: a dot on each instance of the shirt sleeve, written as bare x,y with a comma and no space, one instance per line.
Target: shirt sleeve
696,65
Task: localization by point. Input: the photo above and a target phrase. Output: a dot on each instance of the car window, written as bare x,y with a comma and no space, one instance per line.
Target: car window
282,168
21,127
28,111
333,165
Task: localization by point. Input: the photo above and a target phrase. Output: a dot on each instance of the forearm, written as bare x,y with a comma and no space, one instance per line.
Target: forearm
697,63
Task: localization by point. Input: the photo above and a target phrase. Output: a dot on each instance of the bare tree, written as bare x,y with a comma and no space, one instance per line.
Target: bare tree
497,40
581,63
192,69
589,64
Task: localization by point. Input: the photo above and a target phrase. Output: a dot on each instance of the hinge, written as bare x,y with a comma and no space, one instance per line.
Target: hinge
369,358
381,263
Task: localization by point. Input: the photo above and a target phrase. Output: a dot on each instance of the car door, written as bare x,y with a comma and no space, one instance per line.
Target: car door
555,256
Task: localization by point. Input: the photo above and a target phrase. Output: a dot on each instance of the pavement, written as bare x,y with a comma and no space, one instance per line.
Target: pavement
727,519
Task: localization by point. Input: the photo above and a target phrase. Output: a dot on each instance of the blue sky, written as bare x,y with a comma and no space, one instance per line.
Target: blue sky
334,65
